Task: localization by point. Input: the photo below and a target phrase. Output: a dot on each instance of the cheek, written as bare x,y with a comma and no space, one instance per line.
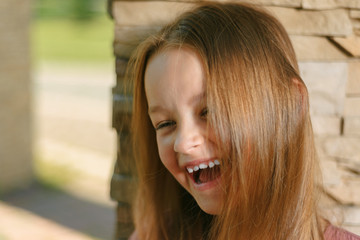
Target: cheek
166,152
169,159
211,138
211,134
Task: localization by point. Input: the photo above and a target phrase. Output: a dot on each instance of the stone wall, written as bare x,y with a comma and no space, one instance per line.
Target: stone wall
326,38
15,105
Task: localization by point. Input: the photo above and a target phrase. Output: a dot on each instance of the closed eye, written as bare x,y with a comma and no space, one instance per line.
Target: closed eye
204,113
164,124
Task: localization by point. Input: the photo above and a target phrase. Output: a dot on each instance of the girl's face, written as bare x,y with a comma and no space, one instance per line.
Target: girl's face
176,94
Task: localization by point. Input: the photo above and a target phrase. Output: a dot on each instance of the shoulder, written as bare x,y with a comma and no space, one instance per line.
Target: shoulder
335,233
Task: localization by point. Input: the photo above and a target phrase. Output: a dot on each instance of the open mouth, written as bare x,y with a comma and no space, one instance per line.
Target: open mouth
205,172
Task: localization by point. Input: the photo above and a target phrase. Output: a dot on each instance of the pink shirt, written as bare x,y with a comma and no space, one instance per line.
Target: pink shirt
334,233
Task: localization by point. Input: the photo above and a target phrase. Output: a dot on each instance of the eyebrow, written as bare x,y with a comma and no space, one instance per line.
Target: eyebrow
155,109
158,108
198,98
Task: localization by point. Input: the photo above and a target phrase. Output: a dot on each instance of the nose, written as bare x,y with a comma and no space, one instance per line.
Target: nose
189,137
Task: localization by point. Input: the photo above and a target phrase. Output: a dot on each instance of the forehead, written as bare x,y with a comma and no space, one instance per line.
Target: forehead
173,61
172,72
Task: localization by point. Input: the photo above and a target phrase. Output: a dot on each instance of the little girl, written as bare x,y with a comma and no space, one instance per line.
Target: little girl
223,140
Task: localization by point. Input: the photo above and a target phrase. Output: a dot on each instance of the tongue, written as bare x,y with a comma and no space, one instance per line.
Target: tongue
207,175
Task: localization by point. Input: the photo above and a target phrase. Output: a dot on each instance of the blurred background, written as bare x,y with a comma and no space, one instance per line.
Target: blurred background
57,72
57,146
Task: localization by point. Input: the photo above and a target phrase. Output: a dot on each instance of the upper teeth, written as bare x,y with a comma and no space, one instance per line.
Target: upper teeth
203,166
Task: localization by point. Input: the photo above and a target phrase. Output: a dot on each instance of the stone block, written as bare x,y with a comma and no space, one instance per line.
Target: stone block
123,50
326,125
315,49
122,188
350,43
347,193
147,13
350,167
330,173
328,4
346,149
124,213
326,84
133,35
124,230
121,116
355,14
157,13
322,23
319,142
121,66
356,29
128,38
353,83
352,126
352,107
355,23
352,215
288,3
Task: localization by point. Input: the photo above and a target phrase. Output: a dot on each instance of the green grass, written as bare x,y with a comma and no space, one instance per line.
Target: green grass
69,40
52,176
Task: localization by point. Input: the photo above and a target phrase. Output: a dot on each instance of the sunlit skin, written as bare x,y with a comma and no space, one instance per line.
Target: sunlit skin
176,94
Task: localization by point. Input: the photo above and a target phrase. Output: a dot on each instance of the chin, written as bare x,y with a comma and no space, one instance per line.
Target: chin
210,207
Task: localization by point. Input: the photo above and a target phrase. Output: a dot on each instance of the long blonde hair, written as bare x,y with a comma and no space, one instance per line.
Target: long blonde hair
258,106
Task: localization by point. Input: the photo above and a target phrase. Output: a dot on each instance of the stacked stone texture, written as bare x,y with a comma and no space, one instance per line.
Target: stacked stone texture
15,112
326,38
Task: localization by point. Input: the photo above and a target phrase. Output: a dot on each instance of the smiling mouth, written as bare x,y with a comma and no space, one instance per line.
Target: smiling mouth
205,172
